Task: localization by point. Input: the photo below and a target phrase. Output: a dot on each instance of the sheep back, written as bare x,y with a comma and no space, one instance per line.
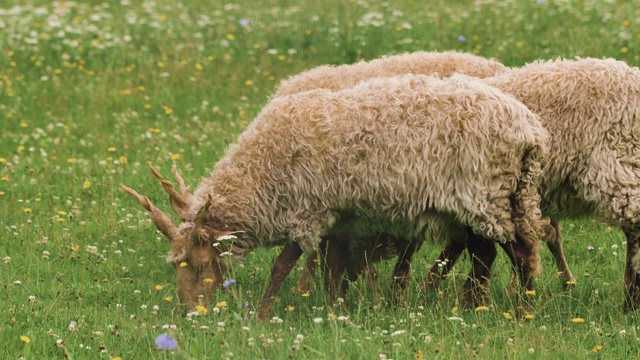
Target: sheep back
444,64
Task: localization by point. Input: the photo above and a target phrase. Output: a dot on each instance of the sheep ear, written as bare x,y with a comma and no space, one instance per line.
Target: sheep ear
199,232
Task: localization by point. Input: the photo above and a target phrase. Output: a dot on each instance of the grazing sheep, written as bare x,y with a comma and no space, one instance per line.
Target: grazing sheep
591,108
415,156
444,64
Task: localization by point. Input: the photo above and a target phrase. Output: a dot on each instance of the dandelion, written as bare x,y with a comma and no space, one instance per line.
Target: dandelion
1,193
183,264
331,316
111,149
221,304
175,157
202,310
199,67
596,349
305,294
231,37
529,316
507,316
228,283
2,160
25,339
249,82
530,292
158,287
577,320
454,309
166,342
168,299
289,308
27,210
208,280
86,184
481,308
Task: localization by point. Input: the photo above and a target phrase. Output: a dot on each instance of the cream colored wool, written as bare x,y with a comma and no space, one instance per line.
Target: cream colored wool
414,155
591,109
444,64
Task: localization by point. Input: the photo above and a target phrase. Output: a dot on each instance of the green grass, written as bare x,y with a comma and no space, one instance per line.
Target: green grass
91,92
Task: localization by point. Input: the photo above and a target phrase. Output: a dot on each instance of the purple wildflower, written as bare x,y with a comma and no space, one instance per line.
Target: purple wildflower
540,1
227,283
244,22
462,38
246,304
166,342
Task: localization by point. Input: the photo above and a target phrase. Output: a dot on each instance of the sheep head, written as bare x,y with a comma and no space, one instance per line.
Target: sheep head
194,246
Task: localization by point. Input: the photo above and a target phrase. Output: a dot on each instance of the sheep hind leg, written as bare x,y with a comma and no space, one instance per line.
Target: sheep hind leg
482,253
441,269
279,272
632,269
554,242
525,259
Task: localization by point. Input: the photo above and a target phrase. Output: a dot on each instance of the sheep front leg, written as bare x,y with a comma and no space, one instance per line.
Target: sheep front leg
444,264
482,253
305,281
281,269
632,269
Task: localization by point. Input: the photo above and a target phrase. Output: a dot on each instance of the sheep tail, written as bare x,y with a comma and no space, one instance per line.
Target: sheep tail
526,201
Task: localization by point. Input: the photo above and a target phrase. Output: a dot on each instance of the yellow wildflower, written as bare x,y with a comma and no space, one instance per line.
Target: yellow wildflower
25,339
529,316
202,309
289,308
183,264
578,320
158,287
481,308
221,304
507,316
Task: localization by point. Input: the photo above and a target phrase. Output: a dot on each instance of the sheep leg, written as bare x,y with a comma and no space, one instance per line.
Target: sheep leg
370,276
403,266
336,259
554,242
443,265
281,269
525,259
305,281
482,253
632,270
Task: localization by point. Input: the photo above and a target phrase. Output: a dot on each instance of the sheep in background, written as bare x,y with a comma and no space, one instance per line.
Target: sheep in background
415,156
591,108
339,77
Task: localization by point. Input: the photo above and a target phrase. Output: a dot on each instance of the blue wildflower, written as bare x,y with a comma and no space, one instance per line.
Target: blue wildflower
166,342
244,22
462,38
227,283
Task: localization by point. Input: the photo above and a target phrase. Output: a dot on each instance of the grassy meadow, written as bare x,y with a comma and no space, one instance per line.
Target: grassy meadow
92,91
